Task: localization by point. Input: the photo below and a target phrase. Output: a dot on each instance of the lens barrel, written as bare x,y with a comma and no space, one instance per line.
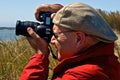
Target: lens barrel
21,27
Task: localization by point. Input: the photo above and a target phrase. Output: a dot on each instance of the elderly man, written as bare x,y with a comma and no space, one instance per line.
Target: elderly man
85,47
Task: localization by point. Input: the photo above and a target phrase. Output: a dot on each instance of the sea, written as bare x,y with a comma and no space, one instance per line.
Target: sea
8,35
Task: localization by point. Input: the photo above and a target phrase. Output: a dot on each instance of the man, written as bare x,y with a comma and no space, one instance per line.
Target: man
85,47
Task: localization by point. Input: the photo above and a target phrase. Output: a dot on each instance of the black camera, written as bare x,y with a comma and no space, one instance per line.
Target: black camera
43,28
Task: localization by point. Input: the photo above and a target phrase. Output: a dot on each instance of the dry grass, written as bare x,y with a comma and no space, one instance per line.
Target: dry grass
117,47
14,56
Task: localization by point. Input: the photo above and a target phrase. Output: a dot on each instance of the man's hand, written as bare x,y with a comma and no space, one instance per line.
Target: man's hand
37,43
47,8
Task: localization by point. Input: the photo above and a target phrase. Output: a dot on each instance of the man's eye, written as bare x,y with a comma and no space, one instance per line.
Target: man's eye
56,35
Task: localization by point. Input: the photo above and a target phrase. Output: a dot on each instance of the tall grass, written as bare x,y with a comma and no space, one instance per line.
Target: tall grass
14,55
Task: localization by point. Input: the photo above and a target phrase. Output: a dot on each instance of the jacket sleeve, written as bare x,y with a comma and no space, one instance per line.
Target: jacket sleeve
36,69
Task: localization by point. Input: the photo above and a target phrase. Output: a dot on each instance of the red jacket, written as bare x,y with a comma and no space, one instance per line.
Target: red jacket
96,63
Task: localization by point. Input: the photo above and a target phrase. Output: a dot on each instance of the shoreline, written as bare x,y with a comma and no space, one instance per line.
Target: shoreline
9,28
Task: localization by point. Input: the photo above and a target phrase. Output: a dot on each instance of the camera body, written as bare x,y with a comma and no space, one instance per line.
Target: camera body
43,28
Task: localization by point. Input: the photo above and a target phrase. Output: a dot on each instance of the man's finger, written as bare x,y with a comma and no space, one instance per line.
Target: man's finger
32,33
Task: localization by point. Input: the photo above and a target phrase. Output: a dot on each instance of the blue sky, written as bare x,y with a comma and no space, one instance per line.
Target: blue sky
13,10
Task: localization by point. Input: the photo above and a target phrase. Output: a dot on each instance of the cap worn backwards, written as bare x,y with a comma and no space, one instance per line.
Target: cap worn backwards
82,17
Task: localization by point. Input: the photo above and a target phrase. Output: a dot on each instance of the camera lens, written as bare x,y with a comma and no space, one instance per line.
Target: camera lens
21,27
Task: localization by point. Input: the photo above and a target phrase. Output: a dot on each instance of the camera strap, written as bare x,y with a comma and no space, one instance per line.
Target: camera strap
51,50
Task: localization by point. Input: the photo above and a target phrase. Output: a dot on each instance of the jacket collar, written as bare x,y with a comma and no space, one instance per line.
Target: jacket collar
100,49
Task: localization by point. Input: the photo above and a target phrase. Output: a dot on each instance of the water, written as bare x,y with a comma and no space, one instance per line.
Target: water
6,34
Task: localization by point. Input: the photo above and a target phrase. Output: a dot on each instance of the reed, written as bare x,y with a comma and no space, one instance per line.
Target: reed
14,55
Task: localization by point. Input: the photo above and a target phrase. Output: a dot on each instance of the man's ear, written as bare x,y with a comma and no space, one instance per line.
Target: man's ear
80,39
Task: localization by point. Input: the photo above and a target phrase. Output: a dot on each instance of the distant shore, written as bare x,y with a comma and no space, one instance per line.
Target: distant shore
9,28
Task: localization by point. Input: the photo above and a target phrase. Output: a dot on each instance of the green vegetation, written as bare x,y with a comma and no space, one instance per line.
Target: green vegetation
14,55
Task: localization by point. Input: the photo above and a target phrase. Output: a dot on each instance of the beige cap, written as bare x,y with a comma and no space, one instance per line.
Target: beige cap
82,17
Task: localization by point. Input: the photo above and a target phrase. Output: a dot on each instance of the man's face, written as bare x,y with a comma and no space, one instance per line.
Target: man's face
65,42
